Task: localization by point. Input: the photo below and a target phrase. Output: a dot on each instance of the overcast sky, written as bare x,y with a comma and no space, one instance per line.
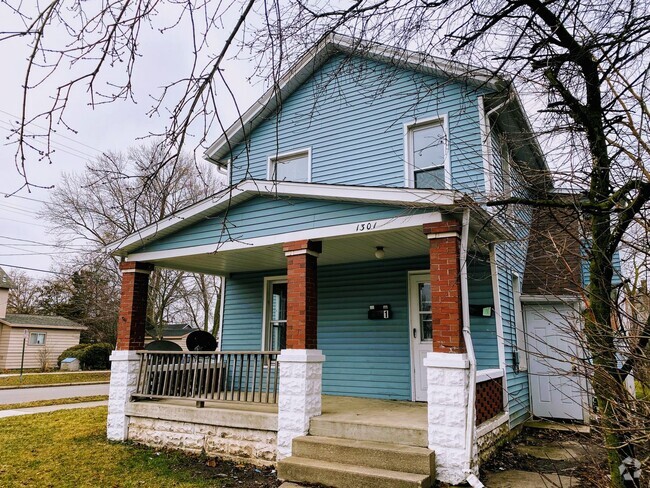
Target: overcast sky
108,127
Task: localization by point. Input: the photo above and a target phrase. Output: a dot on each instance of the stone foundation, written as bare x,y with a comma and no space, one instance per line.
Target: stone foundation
490,435
241,435
253,446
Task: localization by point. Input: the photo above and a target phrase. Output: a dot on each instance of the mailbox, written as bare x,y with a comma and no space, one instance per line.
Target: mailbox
379,312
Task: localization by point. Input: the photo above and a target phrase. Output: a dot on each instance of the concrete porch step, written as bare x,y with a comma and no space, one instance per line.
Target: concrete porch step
371,454
341,475
367,432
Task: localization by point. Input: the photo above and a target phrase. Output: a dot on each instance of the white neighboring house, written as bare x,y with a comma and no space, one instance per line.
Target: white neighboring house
46,336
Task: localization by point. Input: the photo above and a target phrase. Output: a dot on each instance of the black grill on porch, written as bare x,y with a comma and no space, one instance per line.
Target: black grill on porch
243,376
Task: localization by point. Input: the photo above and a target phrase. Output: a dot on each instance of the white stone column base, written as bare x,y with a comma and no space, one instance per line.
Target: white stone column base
301,382
447,398
125,366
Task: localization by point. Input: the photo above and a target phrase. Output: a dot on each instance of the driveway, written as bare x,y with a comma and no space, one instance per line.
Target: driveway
21,395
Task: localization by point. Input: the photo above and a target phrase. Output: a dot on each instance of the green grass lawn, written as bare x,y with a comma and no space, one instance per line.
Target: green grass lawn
53,379
68,448
58,401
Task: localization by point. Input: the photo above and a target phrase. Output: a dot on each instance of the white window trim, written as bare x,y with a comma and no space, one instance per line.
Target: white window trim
268,281
486,148
409,173
520,331
29,340
274,157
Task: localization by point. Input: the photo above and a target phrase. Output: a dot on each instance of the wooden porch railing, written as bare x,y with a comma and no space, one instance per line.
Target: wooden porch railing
209,376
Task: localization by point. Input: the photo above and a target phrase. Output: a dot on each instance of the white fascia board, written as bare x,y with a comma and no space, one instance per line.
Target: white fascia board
383,195
318,233
317,55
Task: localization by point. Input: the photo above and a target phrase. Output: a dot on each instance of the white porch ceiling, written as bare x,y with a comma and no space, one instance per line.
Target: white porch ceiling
398,243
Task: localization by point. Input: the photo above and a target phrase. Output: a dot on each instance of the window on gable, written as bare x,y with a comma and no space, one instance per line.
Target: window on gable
37,338
427,147
276,315
295,167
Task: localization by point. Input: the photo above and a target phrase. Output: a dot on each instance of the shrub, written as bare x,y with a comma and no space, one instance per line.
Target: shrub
95,356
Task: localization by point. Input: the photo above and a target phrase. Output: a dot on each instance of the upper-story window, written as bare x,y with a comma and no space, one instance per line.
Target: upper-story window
427,154
294,166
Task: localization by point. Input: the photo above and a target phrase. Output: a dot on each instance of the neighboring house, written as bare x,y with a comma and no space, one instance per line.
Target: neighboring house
45,337
355,239
176,333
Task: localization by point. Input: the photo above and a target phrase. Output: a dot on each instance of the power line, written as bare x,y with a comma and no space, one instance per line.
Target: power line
55,133
33,269
11,195
39,242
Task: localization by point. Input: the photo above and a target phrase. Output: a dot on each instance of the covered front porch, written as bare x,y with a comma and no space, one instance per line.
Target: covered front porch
320,310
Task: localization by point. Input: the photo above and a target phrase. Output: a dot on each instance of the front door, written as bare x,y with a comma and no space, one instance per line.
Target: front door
420,331
557,388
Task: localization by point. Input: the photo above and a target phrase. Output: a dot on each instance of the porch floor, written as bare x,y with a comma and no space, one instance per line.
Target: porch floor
338,409
371,411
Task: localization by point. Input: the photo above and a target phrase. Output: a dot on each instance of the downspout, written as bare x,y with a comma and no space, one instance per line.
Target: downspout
500,106
464,292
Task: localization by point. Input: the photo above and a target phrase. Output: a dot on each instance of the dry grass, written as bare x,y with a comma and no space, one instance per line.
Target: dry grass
54,379
58,401
68,448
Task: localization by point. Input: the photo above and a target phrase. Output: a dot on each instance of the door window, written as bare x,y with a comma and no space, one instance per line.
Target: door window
424,311
277,326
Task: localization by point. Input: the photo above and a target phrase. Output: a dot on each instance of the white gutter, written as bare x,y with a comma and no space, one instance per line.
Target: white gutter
464,293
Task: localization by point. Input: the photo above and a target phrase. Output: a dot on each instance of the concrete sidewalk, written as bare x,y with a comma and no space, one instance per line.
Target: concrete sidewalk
8,375
49,392
49,408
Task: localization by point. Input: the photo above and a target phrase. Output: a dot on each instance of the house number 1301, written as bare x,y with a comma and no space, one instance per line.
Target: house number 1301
366,226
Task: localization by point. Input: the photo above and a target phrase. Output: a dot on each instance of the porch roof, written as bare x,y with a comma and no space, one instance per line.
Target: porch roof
232,232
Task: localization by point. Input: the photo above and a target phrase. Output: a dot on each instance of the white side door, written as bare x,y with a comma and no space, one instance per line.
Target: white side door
420,331
557,388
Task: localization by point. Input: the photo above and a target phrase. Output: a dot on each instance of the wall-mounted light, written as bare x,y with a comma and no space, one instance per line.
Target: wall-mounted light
379,252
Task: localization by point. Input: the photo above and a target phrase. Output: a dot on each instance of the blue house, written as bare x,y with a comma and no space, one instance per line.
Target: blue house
371,297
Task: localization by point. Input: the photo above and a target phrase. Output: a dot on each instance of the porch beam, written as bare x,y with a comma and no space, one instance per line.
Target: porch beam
302,293
444,266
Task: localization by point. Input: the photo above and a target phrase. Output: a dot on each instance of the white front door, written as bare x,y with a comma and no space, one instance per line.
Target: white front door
557,388
420,331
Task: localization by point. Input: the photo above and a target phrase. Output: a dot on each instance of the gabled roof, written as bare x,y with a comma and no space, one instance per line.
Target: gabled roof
5,281
172,330
229,197
315,57
332,44
40,321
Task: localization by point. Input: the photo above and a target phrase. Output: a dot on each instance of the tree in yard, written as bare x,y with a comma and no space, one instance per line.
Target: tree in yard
114,197
25,295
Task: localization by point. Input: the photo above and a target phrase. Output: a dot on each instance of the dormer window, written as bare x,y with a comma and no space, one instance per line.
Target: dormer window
427,154
294,166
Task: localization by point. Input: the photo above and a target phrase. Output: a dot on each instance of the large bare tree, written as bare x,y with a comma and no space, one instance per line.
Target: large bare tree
118,194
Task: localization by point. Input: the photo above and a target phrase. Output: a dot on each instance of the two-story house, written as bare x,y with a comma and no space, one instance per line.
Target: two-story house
371,314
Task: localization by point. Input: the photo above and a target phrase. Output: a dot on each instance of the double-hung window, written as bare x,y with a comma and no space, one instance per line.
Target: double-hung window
294,166
428,155
275,332
37,338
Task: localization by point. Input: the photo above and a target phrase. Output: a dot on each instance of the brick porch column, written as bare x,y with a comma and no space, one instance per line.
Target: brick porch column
130,338
447,365
301,364
444,265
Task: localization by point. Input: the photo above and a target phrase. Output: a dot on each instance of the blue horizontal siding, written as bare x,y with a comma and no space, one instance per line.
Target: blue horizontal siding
266,216
483,329
351,113
369,358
